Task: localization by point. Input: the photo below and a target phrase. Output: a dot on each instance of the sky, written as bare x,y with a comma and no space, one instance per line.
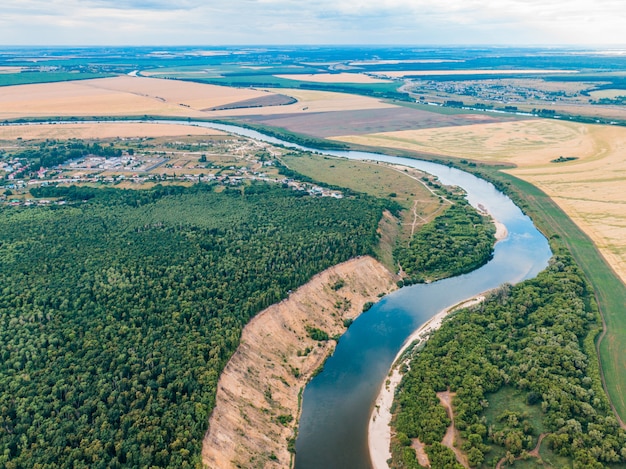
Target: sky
234,22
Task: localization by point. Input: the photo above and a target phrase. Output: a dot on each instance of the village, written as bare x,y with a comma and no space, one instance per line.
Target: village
231,161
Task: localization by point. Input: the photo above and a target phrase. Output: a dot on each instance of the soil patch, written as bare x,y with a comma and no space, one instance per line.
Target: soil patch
361,122
451,437
269,100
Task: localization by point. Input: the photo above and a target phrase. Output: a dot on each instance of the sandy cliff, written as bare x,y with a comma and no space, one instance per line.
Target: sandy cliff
258,393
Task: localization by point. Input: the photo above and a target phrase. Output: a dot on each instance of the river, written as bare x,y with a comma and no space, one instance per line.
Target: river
337,403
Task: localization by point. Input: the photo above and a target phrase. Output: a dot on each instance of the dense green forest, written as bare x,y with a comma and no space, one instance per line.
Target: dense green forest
521,364
457,241
119,310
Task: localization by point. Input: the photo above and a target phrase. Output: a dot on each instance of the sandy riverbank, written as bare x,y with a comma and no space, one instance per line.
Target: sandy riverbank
258,396
379,431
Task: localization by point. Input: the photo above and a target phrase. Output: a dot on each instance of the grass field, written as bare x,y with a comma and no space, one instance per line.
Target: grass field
511,399
375,179
404,187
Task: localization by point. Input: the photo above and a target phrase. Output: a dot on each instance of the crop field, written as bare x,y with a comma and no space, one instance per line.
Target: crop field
334,78
310,101
360,122
8,78
187,94
137,96
117,96
102,130
589,189
418,72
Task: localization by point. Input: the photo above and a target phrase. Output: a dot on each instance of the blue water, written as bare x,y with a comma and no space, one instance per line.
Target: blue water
337,403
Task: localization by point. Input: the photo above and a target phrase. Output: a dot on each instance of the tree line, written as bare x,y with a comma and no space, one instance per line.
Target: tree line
536,337
119,310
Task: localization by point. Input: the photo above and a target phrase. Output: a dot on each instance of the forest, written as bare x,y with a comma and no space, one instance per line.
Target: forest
119,310
457,241
522,365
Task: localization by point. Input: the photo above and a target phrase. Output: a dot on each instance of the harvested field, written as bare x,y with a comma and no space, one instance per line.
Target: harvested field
405,73
151,96
100,131
528,142
608,94
11,69
118,96
590,189
311,101
195,95
334,78
76,99
263,101
360,122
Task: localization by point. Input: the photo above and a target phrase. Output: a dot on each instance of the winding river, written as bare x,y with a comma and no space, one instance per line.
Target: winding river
337,403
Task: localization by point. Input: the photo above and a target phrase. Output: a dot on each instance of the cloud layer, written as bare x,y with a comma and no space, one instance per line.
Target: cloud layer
188,22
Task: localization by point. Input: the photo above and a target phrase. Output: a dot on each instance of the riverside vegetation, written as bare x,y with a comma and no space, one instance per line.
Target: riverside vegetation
457,241
522,363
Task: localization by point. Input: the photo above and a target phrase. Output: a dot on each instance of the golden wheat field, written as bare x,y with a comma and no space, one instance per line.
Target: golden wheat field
138,96
590,189
102,130
310,101
117,96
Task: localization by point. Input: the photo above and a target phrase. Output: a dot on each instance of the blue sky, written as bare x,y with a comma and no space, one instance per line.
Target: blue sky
210,22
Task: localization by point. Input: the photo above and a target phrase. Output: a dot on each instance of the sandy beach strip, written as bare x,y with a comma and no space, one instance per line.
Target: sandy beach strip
379,430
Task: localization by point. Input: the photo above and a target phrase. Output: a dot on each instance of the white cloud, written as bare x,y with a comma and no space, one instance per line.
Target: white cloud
321,21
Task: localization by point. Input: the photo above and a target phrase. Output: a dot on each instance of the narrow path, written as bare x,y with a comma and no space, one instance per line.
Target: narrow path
451,435
534,453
